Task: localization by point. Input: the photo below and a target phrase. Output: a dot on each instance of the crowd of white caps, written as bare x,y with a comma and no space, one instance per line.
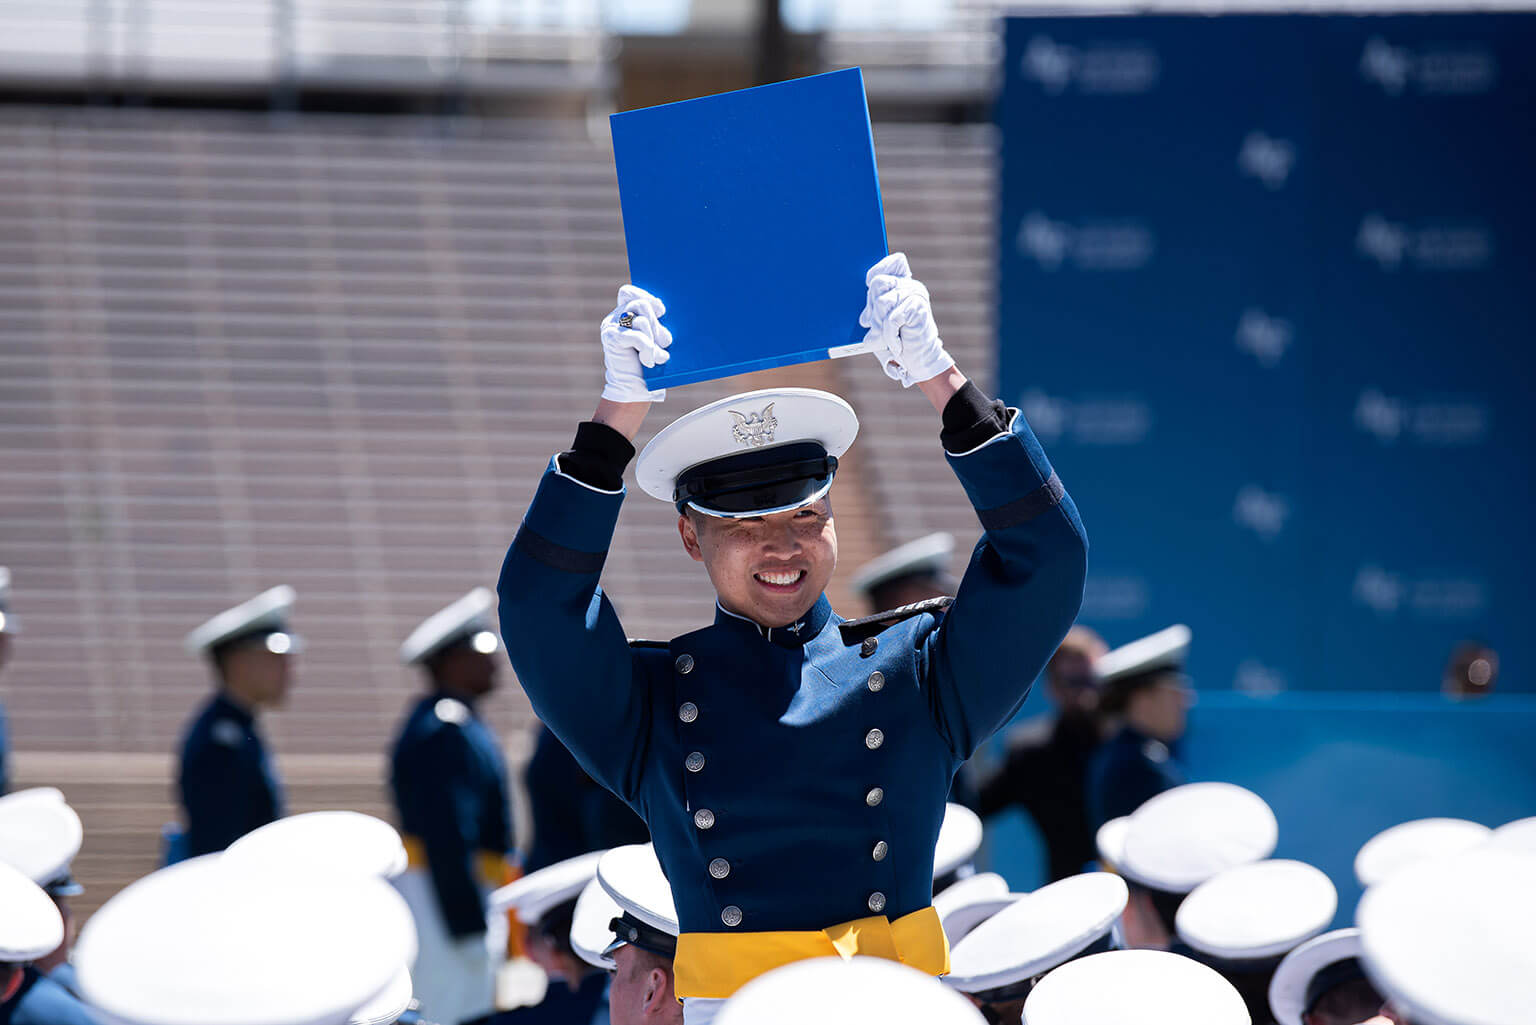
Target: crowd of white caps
298,924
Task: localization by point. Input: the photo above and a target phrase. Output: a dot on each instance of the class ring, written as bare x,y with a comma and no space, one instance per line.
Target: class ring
626,320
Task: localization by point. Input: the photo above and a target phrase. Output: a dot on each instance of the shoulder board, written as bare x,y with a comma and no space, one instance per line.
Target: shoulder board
641,642
451,711
855,630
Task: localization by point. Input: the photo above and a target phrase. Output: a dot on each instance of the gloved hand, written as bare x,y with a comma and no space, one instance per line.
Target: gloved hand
899,317
633,337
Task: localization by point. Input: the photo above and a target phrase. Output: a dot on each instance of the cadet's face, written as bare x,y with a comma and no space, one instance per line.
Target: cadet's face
466,671
640,985
257,676
770,569
1162,709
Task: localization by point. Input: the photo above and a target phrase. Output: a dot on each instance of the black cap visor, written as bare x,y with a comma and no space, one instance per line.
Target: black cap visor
757,483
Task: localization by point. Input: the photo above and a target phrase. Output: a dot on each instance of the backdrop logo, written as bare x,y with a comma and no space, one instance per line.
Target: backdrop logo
1431,596
1109,68
1441,423
1089,245
1430,246
1090,421
1437,69
1119,596
1268,159
1260,511
1264,337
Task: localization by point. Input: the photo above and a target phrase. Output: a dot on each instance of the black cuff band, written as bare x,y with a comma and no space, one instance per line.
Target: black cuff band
598,456
970,418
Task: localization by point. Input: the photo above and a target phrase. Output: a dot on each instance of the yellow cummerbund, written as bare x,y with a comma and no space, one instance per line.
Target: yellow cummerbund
717,964
492,868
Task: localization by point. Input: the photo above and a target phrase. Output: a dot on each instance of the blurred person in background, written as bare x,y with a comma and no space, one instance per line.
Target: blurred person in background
227,781
544,902
1045,770
7,631
913,572
1472,671
449,784
571,813
30,930
1145,702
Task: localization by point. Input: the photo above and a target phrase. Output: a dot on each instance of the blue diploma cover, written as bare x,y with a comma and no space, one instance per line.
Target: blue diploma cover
753,215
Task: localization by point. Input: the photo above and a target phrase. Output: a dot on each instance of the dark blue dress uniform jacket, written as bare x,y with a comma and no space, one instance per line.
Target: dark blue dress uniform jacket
42,1001
791,780
450,788
228,785
571,813
1129,770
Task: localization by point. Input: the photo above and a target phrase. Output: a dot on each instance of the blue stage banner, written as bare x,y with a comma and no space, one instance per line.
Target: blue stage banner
1264,295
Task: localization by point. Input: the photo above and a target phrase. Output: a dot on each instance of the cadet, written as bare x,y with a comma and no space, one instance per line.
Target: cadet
1407,843
1145,696
8,629
644,934
571,813
1322,982
545,901
1147,987
909,573
792,767
39,836
450,789
1046,769
832,991
29,929
999,961
228,785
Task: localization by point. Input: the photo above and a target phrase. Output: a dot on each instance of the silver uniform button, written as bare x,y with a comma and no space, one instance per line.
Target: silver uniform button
687,711
719,868
877,902
880,851
876,681
873,739
874,797
731,916
704,818
695,761
684,663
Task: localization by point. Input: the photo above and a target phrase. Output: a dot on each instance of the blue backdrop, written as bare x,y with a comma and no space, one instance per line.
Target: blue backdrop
1266,295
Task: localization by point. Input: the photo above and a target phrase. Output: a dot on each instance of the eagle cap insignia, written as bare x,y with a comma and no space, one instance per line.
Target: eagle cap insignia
754,430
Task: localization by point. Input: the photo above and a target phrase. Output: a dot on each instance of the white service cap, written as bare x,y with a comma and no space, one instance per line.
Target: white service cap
472,618
632,876
591,925
9,624
1147,987
31,925
39,834
328,842
959,840
1110,841
538,893
1166,649
1519,835
970,901
831,991
1448,940
265,615
1184,836
1257,911
1406,843
388,1006
1311,970
928,554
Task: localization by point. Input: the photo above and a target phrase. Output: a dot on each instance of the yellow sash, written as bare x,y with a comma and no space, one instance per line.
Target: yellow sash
492,868
717,964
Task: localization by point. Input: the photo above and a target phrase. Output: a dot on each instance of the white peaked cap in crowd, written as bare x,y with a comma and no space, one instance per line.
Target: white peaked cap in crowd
471,618
39,834
1519,835
1184,836
770,418
1406,843
1110,841
832,991
632,876
1038,932
967,903
389,1005
1448,940
30,923
269,610
332,842
1166,649
928,554
1135,987
1257,911
959,840
1311,970
9,624
537,893
205,943
591,929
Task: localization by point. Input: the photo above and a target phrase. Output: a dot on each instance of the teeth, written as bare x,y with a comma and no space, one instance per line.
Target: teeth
779,578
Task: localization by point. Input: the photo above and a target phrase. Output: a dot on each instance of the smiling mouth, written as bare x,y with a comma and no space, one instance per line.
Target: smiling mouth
783,580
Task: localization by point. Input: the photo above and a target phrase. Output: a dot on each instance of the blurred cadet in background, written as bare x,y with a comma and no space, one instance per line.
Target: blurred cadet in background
1145,701
1045,770
7,631
913,572
643,932
545,901
228,784
571,813
450,789
39,836
29,929
1322,982
1471,672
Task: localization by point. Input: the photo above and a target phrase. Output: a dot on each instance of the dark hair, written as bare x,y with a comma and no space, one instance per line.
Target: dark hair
555,926
1352,1001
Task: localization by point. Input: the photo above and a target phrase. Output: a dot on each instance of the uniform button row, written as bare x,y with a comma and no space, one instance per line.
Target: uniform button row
873,739
684,663
687,711
877,902
874,797
695,761
704,818
719,868
881,850
731,916
876,681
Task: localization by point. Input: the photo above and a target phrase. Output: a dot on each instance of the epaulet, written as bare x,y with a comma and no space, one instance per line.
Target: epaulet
641,642
856,630
451,711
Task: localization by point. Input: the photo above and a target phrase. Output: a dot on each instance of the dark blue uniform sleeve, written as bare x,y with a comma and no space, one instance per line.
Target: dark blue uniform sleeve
1019,595
449,818
219,786
563,636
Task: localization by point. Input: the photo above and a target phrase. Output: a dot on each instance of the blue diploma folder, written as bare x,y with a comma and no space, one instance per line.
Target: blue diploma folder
753,215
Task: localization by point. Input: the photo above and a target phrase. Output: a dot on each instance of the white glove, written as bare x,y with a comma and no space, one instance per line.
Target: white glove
633,337
900,321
